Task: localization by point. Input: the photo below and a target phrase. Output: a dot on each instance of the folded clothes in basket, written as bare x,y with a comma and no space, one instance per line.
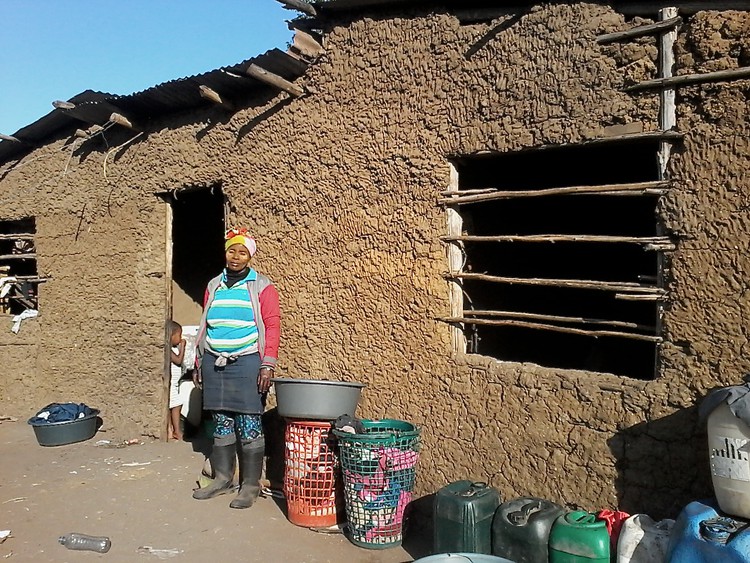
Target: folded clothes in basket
61,412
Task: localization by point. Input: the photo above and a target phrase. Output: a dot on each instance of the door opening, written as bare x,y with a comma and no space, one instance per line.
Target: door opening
197,241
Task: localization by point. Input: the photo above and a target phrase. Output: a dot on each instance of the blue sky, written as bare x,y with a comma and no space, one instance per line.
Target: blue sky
54,49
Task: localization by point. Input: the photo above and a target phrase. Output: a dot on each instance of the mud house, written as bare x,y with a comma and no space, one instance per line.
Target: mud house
524,226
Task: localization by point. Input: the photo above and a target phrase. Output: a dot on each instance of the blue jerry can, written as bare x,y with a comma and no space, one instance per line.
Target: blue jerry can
703,535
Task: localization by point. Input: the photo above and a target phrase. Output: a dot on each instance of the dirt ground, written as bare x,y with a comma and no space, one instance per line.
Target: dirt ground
140,497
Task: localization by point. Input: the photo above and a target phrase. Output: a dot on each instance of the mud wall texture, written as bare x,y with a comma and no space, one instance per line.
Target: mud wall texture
341,189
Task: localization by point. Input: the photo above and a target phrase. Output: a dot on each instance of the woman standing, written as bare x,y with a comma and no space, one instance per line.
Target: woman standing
237,349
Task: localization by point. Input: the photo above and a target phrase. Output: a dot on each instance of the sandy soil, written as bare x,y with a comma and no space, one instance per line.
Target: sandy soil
140,496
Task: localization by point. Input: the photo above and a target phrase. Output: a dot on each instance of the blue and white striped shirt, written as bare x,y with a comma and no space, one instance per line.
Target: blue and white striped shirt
230,320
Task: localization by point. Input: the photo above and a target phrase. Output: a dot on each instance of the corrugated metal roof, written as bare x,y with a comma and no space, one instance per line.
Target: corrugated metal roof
629,6
173,96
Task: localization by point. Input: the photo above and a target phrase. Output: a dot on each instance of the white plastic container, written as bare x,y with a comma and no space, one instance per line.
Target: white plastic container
729,450
642,540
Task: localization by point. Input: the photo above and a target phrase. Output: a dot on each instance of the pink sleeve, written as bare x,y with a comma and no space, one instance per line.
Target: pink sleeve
269,310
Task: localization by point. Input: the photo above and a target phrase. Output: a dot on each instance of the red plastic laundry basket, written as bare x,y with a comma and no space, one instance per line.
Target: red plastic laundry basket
311,474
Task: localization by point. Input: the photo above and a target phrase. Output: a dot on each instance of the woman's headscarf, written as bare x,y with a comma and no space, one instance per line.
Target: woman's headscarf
240,236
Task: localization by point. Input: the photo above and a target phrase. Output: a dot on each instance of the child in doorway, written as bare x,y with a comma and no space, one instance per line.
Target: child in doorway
177,355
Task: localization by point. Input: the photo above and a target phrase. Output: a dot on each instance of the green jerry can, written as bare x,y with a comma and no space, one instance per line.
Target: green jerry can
521,528
579,537
463,513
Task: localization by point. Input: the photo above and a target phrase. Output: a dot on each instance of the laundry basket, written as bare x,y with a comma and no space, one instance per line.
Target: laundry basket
379,468
311,474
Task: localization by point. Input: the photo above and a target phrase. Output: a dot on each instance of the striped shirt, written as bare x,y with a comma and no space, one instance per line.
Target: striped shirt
230,321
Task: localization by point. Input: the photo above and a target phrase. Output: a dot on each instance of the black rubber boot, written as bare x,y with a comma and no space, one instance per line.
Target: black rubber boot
251,466
222,462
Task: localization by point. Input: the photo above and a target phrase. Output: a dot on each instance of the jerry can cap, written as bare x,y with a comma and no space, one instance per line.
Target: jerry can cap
475,488
582,518
719,529
521,517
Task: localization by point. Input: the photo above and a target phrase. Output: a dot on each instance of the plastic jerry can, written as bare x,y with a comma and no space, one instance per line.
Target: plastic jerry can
729,451
642,540
702,535
579,537
521,528
463,513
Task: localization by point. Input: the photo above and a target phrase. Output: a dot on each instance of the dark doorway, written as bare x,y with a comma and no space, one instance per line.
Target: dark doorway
197,244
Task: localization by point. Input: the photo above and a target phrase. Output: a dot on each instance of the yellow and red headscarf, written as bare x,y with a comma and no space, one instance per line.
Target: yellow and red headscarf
240,236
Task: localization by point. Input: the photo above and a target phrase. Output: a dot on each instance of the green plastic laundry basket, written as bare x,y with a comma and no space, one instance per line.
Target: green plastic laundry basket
379,467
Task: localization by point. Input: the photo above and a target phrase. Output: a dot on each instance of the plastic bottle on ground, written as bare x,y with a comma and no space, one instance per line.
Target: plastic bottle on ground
83,542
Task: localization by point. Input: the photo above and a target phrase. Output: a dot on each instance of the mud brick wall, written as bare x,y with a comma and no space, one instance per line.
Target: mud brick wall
341,189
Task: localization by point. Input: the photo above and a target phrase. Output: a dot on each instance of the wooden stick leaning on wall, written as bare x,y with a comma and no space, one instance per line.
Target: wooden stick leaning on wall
557,318
607,189
626,287
640,31
554,328
688,79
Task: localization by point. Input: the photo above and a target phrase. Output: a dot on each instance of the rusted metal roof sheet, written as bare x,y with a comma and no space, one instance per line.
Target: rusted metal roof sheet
169,97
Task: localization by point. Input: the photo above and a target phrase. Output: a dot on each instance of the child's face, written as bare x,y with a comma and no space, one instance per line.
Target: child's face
176,337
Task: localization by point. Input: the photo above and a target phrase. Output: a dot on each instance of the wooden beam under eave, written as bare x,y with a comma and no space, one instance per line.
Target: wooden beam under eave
306,45
121,120
274,80
300,6
213,96
59,104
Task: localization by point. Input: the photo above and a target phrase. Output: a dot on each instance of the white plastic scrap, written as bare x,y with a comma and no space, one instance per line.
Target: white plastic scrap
27,314
4,535
159,553
6,283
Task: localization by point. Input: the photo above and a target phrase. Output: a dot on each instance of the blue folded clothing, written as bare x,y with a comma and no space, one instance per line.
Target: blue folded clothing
61,412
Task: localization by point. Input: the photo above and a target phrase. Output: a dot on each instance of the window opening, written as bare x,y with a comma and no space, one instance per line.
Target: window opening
19,280
561,256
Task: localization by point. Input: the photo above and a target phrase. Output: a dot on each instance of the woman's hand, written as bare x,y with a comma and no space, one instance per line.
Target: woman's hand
197,378
264,379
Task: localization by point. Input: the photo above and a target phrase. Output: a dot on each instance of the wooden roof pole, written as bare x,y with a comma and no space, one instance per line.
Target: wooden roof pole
120,119
213,96
300,6
274,80
59,104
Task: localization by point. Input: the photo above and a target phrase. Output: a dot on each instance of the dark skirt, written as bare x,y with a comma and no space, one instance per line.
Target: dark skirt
232,388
